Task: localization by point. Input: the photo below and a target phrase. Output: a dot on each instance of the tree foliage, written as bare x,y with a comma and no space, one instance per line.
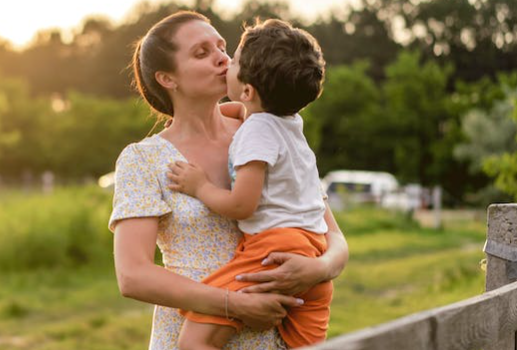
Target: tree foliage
416,88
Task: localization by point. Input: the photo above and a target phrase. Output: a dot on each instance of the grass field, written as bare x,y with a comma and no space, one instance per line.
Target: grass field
57,302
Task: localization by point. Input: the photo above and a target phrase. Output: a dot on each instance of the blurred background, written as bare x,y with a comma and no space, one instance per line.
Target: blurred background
415,134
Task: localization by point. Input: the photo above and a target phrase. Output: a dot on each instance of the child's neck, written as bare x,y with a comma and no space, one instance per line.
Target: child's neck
253,107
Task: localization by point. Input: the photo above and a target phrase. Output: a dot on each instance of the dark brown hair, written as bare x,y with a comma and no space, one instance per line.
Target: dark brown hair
155,52
284,64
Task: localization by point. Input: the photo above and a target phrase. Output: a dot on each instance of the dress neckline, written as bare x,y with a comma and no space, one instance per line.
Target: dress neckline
170,145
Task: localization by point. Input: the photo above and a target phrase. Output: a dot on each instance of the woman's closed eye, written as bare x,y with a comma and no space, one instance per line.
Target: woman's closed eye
201,53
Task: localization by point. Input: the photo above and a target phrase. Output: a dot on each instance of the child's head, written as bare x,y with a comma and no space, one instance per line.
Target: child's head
283,64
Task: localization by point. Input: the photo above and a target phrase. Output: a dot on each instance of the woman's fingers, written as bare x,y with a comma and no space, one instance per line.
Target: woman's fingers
267,287
277,258
288,301
259,277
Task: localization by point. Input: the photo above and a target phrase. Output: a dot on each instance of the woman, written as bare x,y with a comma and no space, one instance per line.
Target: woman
180,70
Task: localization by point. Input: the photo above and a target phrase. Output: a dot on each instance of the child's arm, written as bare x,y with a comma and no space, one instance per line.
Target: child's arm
238,203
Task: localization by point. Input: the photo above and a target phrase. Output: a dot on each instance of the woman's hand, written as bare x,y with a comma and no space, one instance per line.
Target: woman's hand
260,311
296,274
235,110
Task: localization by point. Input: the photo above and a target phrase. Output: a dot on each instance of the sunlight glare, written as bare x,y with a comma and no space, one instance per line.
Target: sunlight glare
21,19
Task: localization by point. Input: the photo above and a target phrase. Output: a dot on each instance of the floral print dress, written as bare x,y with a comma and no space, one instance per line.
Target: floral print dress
193,240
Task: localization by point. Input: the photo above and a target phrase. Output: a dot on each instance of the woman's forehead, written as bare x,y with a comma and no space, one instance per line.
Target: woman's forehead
195,32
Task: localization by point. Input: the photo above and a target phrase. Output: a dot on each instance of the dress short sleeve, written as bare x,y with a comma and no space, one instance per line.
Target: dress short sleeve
137,189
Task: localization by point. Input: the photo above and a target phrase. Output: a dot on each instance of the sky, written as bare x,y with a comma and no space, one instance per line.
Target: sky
21,19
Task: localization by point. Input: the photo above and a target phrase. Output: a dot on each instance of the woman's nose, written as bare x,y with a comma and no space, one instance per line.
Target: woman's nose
223,59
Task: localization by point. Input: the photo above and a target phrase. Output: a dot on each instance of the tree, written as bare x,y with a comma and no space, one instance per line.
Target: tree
8,139
488,133
416,106
342,124
500,161
22,123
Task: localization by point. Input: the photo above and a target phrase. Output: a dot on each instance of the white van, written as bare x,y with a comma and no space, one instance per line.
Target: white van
357,186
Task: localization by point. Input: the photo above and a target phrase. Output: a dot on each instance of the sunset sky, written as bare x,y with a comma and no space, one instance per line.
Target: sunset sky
21,19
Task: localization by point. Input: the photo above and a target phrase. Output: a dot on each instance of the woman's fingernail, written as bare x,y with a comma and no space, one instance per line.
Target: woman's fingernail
265,261
238,278
300,301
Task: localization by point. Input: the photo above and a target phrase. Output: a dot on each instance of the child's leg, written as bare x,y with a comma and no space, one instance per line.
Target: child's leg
307,324
204,336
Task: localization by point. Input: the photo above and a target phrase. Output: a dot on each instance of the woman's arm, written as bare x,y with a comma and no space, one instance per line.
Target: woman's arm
139,278
297,273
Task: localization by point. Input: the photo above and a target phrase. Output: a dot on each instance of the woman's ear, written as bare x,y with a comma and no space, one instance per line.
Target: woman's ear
166,80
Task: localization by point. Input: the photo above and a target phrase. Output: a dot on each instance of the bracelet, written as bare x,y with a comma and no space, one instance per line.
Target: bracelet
226,299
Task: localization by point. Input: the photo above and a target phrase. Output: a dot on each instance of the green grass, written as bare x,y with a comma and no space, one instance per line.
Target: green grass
397,268
70,309
58,302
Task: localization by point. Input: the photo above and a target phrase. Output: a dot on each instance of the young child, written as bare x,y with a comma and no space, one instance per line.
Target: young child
276,196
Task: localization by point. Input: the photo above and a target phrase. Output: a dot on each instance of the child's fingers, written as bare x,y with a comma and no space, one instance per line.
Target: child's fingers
175,179
177,165
175,187
193,165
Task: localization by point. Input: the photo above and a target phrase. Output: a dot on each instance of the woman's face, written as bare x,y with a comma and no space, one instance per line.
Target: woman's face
201,60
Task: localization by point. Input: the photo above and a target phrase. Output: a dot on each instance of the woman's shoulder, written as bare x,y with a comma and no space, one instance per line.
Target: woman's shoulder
148,149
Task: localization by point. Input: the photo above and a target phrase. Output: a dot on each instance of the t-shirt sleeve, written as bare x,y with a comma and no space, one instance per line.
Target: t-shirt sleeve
324,194
137,189
256,141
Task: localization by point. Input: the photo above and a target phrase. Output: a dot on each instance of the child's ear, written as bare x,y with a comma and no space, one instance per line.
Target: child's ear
248,93
166,80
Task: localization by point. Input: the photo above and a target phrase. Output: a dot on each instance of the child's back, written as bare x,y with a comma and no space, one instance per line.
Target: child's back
291,195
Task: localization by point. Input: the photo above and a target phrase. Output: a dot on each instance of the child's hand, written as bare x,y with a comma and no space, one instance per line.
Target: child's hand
188,178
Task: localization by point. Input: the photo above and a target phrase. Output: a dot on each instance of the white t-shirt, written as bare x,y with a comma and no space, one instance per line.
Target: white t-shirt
291,196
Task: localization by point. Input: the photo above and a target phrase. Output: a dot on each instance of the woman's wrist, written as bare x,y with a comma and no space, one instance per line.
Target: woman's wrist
232,303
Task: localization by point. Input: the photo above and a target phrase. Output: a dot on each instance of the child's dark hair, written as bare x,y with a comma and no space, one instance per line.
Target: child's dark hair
284,64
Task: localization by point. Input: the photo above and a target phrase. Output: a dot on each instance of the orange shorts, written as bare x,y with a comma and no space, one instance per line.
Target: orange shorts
304,325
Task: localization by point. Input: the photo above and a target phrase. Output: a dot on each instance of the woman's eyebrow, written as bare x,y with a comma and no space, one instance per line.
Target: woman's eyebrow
206,42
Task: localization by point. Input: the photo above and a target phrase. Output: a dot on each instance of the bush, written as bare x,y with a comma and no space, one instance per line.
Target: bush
67,228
